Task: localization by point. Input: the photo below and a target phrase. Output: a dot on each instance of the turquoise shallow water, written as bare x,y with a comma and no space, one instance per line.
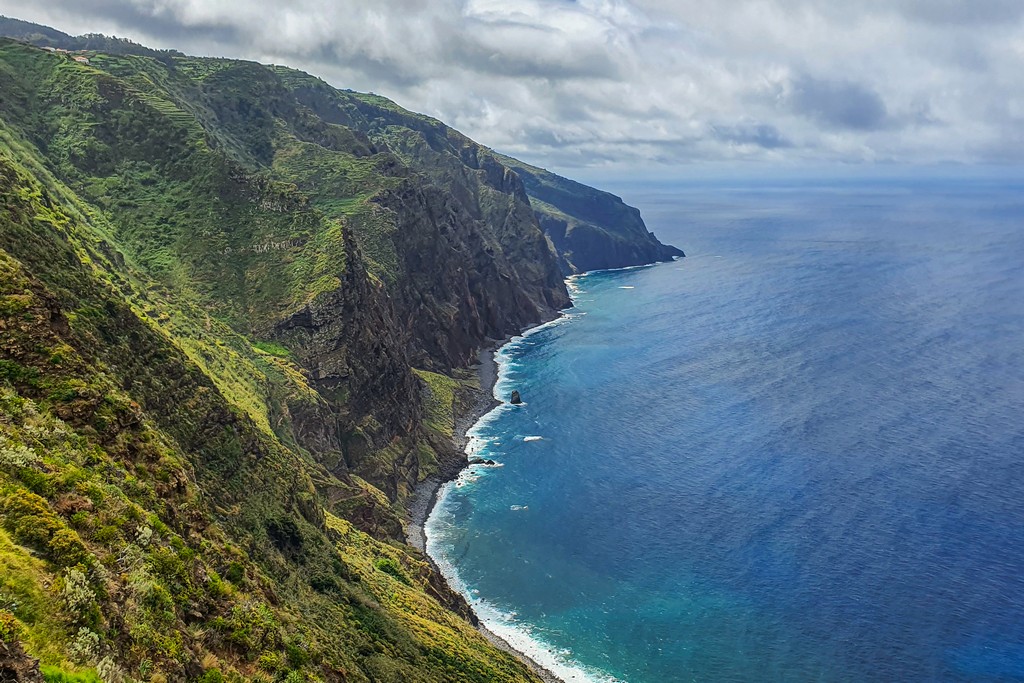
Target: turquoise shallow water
794,455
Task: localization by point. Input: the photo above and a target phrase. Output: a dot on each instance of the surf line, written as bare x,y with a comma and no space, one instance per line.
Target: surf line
497,624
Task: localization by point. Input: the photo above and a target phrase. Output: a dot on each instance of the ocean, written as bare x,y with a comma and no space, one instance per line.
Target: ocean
795,455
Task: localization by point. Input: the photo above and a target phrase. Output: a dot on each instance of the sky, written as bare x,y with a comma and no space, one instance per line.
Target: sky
639,85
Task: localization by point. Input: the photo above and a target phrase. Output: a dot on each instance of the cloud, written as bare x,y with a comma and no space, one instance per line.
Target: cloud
759,135
958,13
634,83
838,104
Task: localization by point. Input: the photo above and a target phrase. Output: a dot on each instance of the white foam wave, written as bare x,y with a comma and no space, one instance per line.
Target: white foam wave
612,270
504,358
627,287
521,635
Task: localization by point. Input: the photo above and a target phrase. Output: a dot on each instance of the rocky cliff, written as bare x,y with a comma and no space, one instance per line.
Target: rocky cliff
590,229
235,303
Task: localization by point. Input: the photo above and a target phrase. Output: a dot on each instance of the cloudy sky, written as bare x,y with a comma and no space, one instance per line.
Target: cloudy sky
621,84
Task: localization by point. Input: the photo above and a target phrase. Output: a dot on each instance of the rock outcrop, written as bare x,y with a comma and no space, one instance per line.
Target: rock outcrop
590,229
16,666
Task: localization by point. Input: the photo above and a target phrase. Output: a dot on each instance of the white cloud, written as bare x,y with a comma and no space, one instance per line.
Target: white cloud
633,82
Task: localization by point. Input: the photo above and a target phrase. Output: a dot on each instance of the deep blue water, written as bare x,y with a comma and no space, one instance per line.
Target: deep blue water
795,455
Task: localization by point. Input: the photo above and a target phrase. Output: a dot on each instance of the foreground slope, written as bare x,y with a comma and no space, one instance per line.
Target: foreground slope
235,309
158,518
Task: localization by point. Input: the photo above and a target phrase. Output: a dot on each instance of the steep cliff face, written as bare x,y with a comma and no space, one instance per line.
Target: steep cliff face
469,227
590,229
234,303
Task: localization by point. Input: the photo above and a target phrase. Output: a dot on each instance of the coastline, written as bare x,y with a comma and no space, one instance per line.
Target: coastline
424,496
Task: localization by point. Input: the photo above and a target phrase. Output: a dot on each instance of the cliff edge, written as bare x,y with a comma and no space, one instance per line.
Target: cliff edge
590,229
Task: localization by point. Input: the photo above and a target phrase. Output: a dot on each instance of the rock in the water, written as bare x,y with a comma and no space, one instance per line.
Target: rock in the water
516,399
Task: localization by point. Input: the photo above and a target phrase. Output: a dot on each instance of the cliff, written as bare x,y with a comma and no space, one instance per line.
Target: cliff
590,229
235,306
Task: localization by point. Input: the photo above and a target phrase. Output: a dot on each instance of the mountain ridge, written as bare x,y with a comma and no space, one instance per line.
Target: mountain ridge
237,308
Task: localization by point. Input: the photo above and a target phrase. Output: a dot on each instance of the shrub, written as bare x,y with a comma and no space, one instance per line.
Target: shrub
76,592
215,586
16,373
14,455
392,569
297,655
270,662
110,672
144,536
33,523
66,548
86,645
254,627
235,573
8,627
52,674
286,536
36,481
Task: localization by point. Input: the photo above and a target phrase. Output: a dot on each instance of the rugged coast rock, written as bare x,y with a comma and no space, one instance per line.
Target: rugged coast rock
590,229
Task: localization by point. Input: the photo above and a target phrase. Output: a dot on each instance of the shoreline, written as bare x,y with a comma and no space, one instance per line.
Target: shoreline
424,496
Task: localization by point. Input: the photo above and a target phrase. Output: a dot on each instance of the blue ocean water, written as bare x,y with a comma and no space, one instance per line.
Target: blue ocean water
795,455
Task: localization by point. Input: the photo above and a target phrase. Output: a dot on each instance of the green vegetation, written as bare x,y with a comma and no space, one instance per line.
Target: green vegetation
589,228
173,471
439,401
215,278
52,674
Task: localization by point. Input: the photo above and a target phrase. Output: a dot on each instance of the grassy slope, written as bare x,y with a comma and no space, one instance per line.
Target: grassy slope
158,519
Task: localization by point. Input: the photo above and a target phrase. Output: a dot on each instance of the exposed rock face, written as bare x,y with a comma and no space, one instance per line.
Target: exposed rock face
516,398
476,263
16,666
356,355
458,287
590,229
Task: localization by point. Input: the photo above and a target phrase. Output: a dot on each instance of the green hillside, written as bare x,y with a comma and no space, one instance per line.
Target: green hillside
235,308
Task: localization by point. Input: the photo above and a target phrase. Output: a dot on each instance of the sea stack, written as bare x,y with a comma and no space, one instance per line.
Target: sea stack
516,399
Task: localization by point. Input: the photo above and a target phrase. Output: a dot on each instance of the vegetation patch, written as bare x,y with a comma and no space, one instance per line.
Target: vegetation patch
439,393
